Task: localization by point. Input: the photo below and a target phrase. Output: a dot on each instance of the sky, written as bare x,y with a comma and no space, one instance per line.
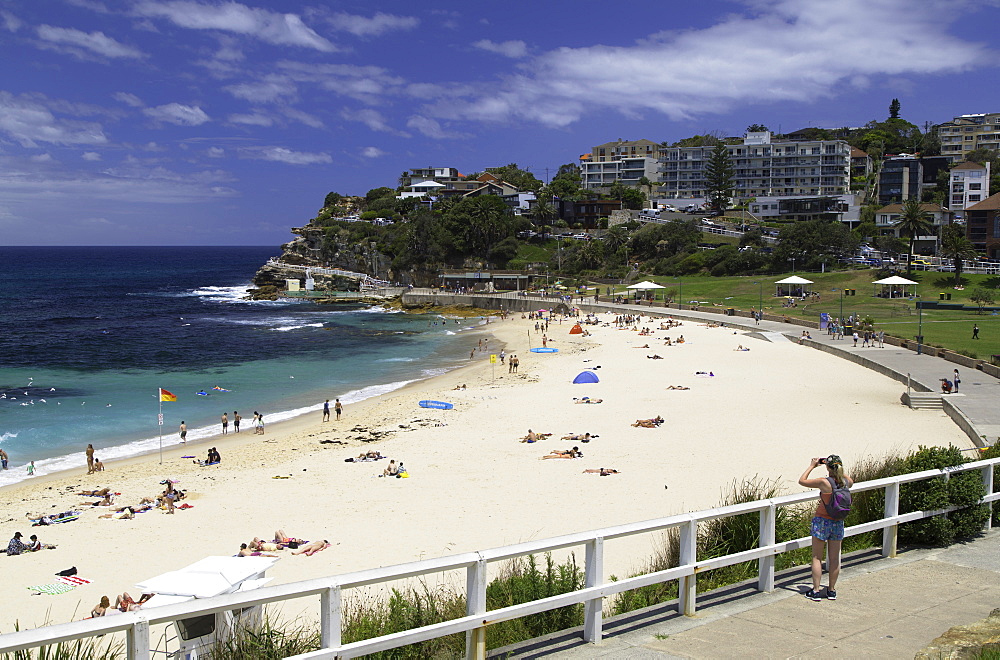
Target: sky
199,122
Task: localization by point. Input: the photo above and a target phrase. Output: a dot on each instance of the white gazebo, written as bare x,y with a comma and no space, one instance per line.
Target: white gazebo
645,285
894,287
791,286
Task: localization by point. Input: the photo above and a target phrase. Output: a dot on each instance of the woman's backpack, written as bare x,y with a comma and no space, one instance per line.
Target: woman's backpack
840,501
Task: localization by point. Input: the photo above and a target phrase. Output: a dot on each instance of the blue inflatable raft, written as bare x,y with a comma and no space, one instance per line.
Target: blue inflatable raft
440,405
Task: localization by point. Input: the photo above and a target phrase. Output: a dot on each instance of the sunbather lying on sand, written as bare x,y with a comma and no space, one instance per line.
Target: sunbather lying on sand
564,453
107,500
587,399
678,387
124,513
100,492
578,437
247,552
649,423
282,539
602,471
704,374
367,456
741,348
309,549
654,356
125,603
535,437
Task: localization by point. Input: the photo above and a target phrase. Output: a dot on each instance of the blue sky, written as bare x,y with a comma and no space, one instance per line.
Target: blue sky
197,122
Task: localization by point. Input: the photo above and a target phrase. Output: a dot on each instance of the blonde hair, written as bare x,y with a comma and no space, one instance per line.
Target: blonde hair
835,467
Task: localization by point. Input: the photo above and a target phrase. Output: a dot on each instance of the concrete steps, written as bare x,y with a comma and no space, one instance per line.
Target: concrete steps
923,400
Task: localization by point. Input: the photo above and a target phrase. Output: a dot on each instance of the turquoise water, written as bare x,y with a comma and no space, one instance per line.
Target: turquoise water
92,333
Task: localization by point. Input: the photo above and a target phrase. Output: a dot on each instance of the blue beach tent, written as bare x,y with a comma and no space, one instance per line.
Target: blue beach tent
586,377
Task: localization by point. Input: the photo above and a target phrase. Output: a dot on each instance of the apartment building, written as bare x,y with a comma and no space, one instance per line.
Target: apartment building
763,168
983,225
906,177
968,132
623,160
970,184
887,217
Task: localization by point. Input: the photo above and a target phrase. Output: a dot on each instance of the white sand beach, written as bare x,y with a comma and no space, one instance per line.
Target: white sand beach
472,485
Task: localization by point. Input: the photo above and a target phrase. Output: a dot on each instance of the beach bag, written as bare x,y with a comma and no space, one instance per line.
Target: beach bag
840,501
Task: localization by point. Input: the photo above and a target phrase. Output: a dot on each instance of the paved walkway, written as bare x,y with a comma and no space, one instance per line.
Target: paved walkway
887,608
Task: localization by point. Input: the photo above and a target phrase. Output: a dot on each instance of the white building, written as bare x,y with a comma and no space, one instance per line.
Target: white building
627,170
970,184
762,168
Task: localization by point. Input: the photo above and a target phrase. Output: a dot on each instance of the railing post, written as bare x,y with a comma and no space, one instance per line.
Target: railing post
988,489
594,574
475,603
765,565
688,587
329,615
137,640
890,533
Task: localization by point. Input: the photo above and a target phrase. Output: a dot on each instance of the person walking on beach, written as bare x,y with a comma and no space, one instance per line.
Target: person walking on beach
90,459
515,362
236,421
338,407
260,424
31,469
184,431
225,423
975,331
3,459
825,529
326,410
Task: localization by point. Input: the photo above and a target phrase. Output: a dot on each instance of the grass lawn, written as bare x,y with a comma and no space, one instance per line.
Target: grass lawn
948,328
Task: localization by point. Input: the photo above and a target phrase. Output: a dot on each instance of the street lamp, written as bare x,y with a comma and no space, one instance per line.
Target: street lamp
680,292
920,327
760,299
792,259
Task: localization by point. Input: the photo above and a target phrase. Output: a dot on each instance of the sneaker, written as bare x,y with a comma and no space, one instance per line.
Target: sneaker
831,594
812,594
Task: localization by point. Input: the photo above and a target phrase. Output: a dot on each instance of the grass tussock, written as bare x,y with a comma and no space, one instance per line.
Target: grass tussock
267,640
81,649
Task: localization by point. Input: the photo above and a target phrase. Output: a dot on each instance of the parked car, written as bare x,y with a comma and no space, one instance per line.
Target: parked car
526,234
582,237
920,262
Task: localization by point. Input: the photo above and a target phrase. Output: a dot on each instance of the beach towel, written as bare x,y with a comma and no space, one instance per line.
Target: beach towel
73,580
53,589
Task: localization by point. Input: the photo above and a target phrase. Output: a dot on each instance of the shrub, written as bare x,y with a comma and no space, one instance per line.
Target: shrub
267,640
964,489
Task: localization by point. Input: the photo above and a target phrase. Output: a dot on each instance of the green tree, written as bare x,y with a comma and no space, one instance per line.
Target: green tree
982,297
812,243
757,128
379,193
890,246
544,212
516,176
720,178
957,247
615,238
332,199
894,109
913,221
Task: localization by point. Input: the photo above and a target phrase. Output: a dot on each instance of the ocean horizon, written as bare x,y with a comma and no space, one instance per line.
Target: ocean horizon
92,333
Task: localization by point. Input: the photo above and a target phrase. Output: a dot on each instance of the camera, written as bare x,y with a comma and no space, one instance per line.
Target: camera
821,461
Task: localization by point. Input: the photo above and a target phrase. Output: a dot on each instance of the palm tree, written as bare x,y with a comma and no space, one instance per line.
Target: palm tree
957,247
913,221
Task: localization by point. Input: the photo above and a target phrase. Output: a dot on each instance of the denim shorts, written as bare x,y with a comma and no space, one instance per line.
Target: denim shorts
825,529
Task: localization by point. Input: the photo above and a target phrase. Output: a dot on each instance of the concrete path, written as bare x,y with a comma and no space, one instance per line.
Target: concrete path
886,608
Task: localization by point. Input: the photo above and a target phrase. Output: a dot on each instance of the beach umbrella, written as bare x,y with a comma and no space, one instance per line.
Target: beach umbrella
586,377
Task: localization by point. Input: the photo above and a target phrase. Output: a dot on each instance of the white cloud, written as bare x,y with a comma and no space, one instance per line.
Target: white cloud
91,156
269,89
11,23
79,43
128,99
177,113
369,84
254,119
778,51
42,158
371,118
303,117
215,152
380,23
372,152
274,28
430,127
28,119
513,49
283,155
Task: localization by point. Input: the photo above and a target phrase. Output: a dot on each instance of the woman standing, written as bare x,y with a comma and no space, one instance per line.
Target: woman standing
826,530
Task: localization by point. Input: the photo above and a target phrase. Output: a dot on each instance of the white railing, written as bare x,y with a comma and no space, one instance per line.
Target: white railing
596,588
367,281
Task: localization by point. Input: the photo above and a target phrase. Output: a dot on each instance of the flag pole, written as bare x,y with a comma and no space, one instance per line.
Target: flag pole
159,419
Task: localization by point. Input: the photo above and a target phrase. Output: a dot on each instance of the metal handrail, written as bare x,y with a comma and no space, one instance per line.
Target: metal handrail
330,589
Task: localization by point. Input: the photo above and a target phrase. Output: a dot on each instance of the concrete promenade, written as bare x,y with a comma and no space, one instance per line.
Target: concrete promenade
887,608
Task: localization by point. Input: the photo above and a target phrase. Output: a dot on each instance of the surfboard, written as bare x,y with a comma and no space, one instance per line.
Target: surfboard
544,349
440,405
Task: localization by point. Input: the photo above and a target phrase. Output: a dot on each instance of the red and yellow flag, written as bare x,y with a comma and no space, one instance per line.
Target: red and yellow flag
167,396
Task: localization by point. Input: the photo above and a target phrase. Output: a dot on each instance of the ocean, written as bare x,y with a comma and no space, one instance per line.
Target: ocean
88,335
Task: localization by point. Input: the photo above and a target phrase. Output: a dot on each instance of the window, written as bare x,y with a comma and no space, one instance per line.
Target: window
975,186
974,198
